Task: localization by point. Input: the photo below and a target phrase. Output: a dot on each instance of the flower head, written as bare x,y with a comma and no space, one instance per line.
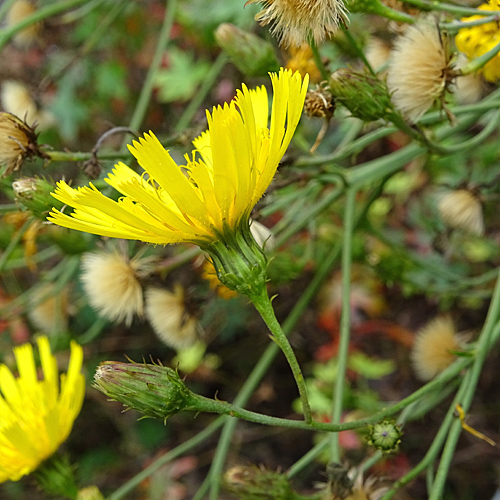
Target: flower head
36,416
477,40
20,10
461,209
111,283
293,21
433,348
17,142
419,70
233,164
170,318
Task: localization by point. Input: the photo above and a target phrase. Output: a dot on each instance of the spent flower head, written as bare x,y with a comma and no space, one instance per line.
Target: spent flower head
170,318
111,283
37,415
420,69
434,348
18,141
462,209
294,21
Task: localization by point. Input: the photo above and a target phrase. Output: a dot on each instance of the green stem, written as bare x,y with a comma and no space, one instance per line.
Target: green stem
13,243
263,305
358,50
482,348
39,15
202,92
147,88
345,321
126,488
325,74
479,62
455,26
444,7
5,7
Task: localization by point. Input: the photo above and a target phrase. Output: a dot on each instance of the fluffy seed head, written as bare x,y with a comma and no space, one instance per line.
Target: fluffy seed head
110,281
20,10
167,313
461,209
293,21
432,350
49,309
419,70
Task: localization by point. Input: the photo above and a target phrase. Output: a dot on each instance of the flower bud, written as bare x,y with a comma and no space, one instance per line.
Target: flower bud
240,263
155,391
250,482
364,95
17,142
385,436
252,55
90,493
34,194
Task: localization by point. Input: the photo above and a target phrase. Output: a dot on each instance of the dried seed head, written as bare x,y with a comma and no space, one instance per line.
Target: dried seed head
20,10
461,209
111,283
293,21
319,103
169,317
18,141
420,70
433,348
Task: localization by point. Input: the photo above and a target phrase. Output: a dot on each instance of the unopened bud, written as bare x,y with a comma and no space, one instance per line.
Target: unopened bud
385,436
155,391
250,482
89,493
364,95
34,194
249,53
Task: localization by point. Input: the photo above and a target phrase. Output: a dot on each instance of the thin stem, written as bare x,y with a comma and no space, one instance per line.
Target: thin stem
345,321
305,460
445,7
14,242
147,88
358,50
263,305
482,349
455,26
202,92
479,62
126,488
39,15
5,7
325,74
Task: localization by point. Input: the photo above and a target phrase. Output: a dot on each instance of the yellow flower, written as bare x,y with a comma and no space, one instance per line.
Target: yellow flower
35,415
477,40
233,164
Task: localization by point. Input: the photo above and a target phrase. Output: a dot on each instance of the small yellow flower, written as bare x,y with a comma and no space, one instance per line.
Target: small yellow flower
233,164
36,416
477,40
